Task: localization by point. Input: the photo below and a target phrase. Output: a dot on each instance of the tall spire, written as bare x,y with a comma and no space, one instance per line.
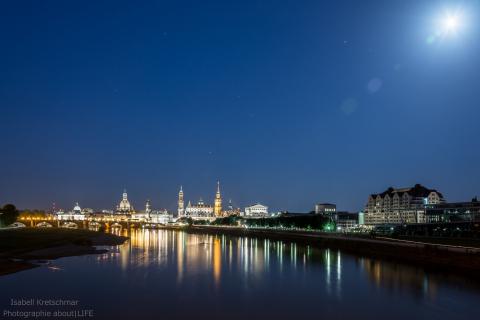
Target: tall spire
218,202
181,203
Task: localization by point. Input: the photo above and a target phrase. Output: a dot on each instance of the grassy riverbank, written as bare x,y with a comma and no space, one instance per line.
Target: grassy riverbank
18,246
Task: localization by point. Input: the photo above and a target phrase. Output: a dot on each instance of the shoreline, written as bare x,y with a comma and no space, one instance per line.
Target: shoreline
19,248
434,256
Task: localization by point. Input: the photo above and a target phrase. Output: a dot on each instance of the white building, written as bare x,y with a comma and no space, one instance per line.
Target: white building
76,214
256,211
152,216
199,211
162,217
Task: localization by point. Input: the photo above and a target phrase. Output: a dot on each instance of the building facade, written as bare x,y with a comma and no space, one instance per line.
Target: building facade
346,220
325,208
76,214
200,210
256,211
403,205
231,211
150,215
453,212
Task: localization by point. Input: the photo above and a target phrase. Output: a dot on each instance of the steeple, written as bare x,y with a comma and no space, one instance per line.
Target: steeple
181,203
148,209
217,209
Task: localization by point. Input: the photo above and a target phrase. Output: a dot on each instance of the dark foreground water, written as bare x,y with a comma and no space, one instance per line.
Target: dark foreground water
173,275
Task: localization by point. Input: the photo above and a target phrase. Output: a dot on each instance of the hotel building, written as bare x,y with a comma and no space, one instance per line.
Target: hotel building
403,205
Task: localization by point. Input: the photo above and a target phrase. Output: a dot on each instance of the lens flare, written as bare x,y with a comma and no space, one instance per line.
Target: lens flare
447,25
451,23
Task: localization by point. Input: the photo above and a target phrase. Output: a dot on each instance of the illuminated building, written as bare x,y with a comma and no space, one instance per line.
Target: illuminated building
201,210
76,214
325,208
453,212
346,220
152,216
404,205
256,211
124,207
217,210
231,211
181,203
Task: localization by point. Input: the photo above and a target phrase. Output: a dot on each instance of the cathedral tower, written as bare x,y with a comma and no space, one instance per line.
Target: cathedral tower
218,202
148,209
181,203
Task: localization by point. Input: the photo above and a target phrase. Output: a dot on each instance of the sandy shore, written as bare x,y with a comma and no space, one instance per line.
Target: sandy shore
18,248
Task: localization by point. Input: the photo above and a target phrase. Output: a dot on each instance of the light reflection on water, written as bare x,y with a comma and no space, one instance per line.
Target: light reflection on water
195,254
162,272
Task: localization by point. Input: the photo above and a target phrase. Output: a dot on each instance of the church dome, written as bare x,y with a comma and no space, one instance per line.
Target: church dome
77,208
124,206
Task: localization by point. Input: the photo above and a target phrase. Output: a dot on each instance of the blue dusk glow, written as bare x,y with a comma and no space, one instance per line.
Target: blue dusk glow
287,103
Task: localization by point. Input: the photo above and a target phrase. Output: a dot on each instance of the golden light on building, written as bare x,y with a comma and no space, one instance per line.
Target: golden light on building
217,210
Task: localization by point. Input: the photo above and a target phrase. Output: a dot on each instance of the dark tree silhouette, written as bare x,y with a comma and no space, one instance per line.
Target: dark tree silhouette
8,215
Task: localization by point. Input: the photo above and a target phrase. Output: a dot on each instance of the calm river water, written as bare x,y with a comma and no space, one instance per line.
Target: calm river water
163,274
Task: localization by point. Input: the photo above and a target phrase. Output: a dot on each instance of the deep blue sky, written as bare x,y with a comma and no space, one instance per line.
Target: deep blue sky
286,102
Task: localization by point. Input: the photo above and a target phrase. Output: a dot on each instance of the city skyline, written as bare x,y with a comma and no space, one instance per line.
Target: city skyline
211,200
248,159
289,104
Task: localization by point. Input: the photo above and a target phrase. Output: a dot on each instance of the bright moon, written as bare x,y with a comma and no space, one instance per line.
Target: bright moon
451,23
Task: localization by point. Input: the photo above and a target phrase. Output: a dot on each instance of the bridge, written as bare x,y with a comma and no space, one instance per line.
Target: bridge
91,223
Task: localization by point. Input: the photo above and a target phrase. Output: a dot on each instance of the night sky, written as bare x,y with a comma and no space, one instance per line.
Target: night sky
287,103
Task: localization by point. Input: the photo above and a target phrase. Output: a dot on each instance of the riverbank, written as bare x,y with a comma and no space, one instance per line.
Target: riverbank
435,256
19,247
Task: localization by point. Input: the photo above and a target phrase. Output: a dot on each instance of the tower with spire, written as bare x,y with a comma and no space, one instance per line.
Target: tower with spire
148,209
181,203
217,210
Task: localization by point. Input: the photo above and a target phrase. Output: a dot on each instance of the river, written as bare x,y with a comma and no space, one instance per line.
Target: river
163,274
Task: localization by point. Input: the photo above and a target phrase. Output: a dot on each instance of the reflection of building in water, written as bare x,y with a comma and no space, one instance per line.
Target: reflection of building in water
333,271
398,277
201,210
206,256
217,260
